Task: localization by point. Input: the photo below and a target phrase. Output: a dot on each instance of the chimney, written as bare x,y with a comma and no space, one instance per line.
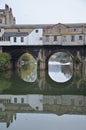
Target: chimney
6,7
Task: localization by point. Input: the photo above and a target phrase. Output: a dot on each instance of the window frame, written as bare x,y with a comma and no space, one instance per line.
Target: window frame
15,39
55,38
47,38
72,38
22,39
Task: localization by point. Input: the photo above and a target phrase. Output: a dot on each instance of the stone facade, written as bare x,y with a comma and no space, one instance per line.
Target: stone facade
6,16
65,34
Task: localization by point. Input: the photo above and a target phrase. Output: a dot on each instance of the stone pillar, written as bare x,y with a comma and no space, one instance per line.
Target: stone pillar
41,60
41,79
77,62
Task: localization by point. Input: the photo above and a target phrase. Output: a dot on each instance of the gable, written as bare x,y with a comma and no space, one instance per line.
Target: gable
59,28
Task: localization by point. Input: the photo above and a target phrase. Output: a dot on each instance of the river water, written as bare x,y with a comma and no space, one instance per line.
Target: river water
43,100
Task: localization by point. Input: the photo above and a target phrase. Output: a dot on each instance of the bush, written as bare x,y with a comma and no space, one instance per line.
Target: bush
4,59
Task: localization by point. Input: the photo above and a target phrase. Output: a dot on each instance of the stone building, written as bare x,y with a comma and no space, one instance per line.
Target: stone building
6,16
65,34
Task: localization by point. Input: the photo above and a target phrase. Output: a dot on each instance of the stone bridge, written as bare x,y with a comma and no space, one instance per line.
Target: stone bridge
43,53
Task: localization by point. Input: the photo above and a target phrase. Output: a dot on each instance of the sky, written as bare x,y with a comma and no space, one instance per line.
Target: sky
47,11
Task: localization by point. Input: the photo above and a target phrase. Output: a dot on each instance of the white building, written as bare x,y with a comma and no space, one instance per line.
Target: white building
21,38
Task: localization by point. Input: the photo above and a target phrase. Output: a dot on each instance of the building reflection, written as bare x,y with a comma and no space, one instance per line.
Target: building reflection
10,105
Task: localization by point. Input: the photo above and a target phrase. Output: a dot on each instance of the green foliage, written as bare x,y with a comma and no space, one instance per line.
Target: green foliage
26,57
4,59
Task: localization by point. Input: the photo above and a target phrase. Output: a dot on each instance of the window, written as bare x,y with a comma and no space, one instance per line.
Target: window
74,29
14,39
37,107
8,38
59,30
80,37
18,30
40,38
3,38
22,39
72,38
64,38
55,38
36,31
22,100
15,100
47,38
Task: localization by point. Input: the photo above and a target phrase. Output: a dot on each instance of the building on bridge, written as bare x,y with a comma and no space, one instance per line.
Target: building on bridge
58,34
21,38
65,34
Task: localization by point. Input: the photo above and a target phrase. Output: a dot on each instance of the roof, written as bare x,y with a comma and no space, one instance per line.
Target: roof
34,26
25,26
15,34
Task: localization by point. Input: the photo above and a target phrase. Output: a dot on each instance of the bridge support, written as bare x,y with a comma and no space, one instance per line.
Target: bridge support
78,61
41,60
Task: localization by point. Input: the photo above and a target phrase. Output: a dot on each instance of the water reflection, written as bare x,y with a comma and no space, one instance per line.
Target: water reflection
74,104
60,67
43,104
40,121
60,72
28,72
55,111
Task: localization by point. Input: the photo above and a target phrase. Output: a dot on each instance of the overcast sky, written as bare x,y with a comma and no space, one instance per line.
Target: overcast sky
47,11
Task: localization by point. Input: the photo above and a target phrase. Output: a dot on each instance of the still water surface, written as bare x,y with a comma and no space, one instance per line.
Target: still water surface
42,104
46,122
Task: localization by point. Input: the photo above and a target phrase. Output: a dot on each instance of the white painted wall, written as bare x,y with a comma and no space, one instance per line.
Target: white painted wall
18,41
36,101
34,37
19,97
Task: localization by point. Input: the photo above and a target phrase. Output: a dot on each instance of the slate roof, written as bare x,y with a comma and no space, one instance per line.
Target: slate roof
15,34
